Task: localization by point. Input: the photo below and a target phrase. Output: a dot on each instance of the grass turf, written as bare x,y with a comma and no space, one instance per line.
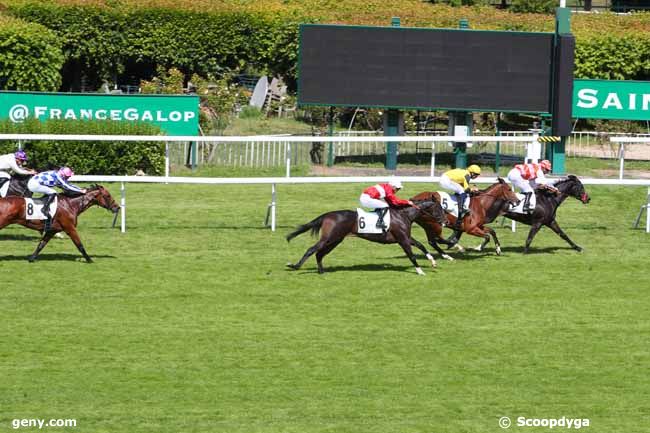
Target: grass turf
190,322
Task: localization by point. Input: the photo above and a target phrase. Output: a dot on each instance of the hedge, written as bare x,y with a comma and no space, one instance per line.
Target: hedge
30,56
132,41
89,157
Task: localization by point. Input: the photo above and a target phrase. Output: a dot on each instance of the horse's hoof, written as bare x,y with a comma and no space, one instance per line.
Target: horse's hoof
498,250
578,249
419,271
89,261
292,266
448,257
31,259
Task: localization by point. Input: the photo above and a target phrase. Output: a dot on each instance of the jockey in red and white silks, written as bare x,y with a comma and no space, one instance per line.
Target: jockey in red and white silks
527,176
382,196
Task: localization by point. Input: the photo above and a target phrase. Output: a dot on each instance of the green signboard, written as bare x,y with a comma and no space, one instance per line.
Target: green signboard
603,99
175,115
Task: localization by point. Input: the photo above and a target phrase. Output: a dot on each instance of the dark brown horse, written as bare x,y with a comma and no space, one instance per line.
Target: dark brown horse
546,208
485,205
335,226
12,211
17,186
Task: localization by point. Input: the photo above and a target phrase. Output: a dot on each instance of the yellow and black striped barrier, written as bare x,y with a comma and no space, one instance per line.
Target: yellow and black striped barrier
549,139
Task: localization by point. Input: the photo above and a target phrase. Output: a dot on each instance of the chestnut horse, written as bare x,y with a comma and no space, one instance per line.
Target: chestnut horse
485,205
12,211
335,226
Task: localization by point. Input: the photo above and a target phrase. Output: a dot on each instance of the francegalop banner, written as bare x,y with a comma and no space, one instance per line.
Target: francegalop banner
174,114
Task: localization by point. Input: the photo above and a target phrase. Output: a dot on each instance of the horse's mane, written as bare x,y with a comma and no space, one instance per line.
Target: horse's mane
568,178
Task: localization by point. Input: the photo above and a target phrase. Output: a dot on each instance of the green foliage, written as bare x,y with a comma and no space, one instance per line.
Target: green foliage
89,157
105,42
30,56
614,58
534,6
250,112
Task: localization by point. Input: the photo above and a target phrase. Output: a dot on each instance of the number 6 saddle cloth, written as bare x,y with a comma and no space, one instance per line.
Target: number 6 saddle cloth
34,208
367,222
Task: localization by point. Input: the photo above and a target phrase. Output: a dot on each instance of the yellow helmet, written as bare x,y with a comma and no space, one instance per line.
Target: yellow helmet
474,169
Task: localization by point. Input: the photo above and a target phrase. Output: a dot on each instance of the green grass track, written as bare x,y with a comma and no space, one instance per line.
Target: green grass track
190,322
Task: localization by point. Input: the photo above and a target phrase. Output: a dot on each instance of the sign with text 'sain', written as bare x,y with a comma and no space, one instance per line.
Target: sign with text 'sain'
610,99
175,115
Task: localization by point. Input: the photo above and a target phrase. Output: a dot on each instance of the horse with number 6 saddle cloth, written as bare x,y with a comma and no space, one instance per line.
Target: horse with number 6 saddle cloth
367,222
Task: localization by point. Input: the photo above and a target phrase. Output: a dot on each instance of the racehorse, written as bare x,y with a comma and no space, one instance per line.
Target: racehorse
17,186
546,207
485,205
335,226
13,211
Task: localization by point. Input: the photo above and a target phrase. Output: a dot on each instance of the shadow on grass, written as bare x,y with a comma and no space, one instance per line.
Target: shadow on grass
19,238
54,257
374,267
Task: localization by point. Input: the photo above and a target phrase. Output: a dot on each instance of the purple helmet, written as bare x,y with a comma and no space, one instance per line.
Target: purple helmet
66,172
21,155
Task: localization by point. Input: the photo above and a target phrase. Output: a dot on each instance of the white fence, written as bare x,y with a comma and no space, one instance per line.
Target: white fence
298,180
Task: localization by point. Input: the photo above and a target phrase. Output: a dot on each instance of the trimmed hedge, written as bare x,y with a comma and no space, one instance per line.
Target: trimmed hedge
30,56
104,42
207,37
89,157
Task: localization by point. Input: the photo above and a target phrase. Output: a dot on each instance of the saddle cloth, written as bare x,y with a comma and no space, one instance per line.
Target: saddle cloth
520,207
34,208
367,222
4,186
448,203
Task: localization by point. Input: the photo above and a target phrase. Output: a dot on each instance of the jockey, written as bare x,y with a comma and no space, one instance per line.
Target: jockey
382,196
527,176
457,180
13,162
43,183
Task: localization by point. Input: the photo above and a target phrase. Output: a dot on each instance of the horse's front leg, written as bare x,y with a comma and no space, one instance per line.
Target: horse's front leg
497,244
424,250
556,228
74,236
405,243
44,240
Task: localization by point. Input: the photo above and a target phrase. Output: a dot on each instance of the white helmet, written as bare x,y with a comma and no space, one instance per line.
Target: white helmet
395,183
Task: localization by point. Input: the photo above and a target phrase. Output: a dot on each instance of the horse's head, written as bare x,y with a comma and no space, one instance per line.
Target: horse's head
101,197
572,186
432,208
503,191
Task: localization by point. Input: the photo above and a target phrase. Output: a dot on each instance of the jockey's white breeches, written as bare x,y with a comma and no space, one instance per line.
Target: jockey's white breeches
372,203
518,181
5,175
35,186
449,184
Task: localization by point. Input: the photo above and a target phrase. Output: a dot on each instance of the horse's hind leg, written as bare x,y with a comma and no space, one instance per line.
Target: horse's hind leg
44,240
311,250
325,251
74,236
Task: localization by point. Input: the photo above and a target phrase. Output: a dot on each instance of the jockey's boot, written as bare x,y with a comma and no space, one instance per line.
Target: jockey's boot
462,212
380,218
46,211
526,208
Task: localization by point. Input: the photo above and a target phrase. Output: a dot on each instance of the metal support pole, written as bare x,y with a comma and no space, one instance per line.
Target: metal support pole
166,159
621,155
433,158
645,207
289,159
330,145
123,209
273,201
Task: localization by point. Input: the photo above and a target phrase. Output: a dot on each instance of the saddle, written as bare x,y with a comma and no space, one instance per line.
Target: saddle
34,208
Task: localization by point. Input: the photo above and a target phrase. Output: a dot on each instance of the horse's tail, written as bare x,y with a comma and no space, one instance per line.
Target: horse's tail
314,225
